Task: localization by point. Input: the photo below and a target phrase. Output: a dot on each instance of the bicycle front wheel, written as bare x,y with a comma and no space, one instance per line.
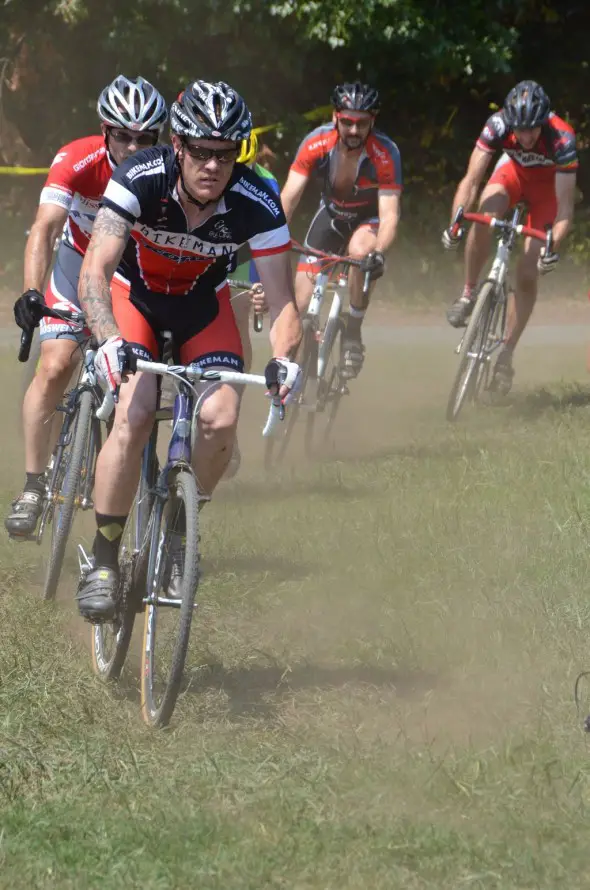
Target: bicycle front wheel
473,351
306,399
168,616
110,640
331,387
66,489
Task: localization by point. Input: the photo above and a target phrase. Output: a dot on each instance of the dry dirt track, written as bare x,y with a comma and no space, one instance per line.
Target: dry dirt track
552,324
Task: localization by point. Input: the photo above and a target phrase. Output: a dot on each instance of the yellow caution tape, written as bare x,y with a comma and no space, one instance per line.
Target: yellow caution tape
23,171
315,114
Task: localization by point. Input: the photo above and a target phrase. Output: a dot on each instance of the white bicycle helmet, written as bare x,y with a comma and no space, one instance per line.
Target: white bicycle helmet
132,103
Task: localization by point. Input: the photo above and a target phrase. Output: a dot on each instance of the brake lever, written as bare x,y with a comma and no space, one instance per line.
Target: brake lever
26,339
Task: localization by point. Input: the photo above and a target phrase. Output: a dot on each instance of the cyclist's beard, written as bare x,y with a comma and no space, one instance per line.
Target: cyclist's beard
353,143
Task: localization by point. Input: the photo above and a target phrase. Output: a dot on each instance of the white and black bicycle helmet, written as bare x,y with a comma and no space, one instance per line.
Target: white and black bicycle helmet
132,103
527,106
210,111
356,97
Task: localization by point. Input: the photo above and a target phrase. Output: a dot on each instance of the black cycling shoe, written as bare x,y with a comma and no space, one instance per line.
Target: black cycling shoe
460,311
503,375
97,597
26,509
353,356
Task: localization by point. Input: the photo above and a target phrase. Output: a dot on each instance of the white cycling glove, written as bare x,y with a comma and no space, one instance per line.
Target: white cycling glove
451,241
107,362
547,261
282,372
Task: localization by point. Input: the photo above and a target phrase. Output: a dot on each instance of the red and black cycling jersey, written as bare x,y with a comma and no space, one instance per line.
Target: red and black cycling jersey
555,147
162,256
379,169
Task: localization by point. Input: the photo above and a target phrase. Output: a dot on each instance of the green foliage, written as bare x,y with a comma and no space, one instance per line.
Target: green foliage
440,66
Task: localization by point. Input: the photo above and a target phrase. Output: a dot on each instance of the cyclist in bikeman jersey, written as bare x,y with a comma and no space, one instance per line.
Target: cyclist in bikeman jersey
538,165
132,113
360,173
166,219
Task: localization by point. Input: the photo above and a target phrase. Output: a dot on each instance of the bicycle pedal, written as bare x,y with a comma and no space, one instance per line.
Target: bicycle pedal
85,562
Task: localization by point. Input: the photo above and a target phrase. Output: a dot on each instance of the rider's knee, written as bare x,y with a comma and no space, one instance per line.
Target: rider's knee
360,247
54,367
132,426
218,422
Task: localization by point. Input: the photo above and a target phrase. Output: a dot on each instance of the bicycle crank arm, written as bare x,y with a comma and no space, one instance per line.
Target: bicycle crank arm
165,601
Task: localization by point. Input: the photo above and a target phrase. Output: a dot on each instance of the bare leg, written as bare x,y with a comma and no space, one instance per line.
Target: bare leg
217,428
494,202
521,307
57,363
304,282
362,243
118,464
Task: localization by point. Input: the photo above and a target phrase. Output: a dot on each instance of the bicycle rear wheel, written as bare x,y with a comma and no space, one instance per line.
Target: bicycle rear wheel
275,448
65,489
168,620
473,352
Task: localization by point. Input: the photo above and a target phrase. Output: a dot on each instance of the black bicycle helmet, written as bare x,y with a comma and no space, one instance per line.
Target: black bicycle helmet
527,106
210,111
356,97
132,103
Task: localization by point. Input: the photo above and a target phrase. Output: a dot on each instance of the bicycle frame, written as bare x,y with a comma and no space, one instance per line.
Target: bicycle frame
184,414
506,243
315,308
499,269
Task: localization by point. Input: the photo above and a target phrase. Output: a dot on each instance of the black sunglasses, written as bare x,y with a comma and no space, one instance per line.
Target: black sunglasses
149,138
223,155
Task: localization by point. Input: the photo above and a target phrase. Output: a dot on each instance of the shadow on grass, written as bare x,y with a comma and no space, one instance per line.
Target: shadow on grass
256,564
537,402
257,691
262,491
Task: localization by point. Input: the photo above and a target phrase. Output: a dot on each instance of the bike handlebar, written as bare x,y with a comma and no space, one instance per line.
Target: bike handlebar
26,337
504,225
333,259
195,374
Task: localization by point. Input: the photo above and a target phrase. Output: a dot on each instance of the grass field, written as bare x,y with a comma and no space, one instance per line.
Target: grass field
381,680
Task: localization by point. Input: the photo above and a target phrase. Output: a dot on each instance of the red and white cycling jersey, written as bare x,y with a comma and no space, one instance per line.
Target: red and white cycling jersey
76,181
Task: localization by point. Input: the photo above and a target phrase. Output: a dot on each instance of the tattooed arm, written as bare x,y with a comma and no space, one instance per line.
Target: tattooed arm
109,238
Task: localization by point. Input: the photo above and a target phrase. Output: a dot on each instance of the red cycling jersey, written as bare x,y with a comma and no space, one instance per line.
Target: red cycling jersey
77,179
378,169
554,151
